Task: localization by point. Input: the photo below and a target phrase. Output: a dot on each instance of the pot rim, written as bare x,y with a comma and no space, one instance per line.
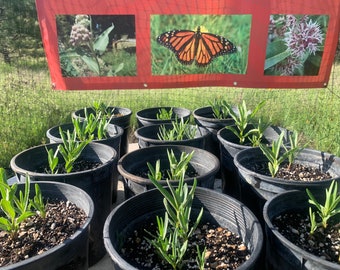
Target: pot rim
127,110
198,111
202,130
19,170
140,113
281,180
142,180
119,131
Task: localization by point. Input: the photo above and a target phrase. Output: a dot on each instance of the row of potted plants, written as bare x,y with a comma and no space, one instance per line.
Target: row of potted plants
204,164
244,155
84,154
255,166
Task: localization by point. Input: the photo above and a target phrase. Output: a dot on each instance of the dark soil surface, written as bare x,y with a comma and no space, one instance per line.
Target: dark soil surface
190,173
36,235
224,249
78,166
324,243
296,172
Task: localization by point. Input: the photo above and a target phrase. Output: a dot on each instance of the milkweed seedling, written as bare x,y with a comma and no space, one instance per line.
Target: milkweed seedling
326,211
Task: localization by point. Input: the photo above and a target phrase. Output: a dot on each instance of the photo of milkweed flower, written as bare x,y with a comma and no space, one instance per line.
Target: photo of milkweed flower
295,44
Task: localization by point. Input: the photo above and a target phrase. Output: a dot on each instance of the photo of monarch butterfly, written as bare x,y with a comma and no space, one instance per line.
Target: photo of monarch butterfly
190,46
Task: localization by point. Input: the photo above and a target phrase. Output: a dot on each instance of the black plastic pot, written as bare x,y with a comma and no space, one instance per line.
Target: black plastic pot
148,136
282,254
122,119
114,135
73,253
258,188
204,117
134,163
219,209
148,116
96,182
230,146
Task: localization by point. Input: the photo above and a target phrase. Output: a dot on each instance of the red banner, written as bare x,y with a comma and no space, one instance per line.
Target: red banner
125,44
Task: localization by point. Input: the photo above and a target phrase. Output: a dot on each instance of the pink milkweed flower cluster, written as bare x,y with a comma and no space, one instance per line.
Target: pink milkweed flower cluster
289,66
303,36
80,34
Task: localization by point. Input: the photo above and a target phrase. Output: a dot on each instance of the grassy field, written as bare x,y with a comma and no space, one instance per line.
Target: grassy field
28,106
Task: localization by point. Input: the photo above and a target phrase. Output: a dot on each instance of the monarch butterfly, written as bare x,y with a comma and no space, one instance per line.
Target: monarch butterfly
190,46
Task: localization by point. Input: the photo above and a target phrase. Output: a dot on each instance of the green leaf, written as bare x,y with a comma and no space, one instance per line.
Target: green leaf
329,209
3,190
312,200
91,63
24,216
8,209
3,176
275,47
114,71
53,159
102,41
267,152
164,192
256,109
272,61
5,225
68,55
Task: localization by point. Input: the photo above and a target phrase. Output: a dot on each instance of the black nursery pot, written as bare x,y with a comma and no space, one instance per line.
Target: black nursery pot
204,117
131,165
113,139
282,254
73,252
258,188
115,134
122,119
148,116
97,182
219,209
148,136
230,146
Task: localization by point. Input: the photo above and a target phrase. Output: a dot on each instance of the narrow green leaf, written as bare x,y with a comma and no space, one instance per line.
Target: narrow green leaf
24,216
8,209
272,61
4,224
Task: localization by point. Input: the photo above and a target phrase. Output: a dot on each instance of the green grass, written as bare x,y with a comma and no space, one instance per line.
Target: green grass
28,106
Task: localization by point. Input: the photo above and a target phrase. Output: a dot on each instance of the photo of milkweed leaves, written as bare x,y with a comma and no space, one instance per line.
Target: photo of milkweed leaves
234,28
295,44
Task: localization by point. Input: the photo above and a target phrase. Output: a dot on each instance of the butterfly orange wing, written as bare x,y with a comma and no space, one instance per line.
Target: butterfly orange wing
190,45
210,46
181,42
